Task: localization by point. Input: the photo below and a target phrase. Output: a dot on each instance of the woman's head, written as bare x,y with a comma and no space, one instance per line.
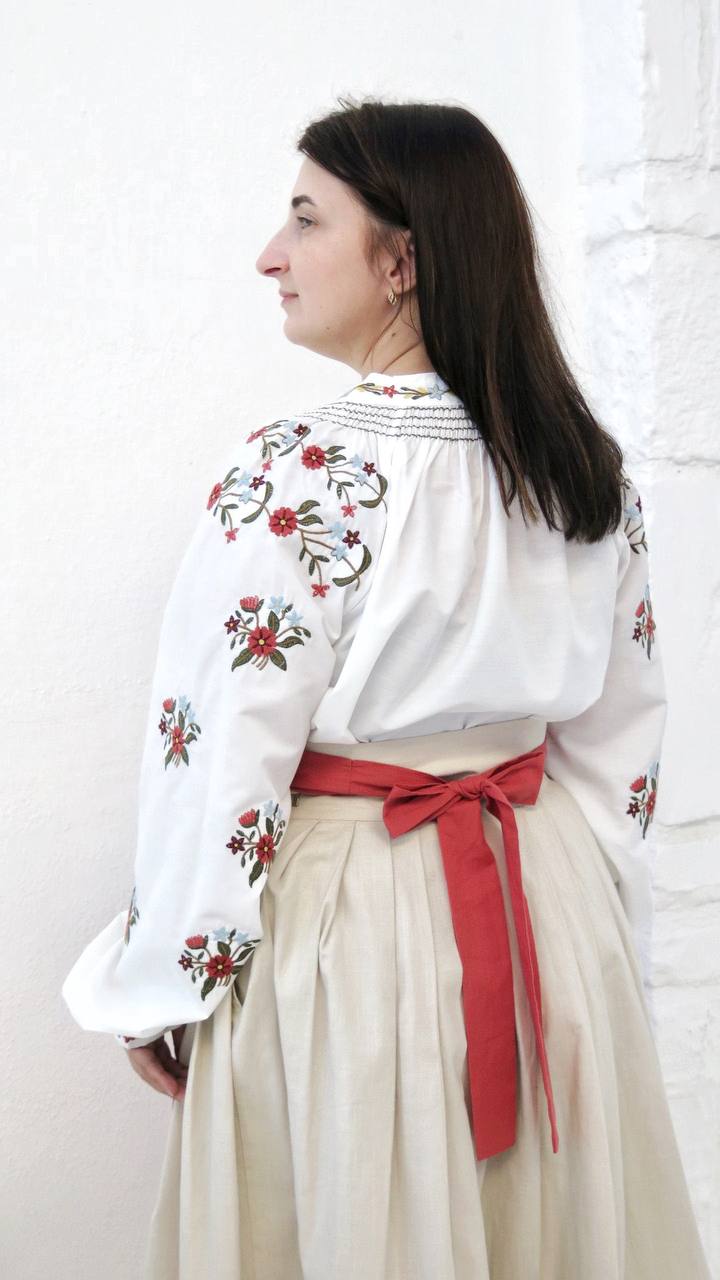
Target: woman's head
343,283
421,198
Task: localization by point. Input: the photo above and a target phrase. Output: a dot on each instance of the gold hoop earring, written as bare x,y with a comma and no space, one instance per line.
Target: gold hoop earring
391,297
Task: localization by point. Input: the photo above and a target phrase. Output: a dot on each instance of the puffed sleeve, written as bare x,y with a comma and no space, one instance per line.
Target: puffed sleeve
608,757
246,652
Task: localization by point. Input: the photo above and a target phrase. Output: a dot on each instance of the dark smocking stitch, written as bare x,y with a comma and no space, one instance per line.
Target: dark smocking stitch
367,418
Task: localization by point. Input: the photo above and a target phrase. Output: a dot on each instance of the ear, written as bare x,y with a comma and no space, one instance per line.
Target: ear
407,259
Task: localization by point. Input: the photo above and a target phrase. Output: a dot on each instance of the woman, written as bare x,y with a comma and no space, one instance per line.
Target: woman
391,893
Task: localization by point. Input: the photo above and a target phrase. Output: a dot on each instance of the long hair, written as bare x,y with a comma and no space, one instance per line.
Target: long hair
438,171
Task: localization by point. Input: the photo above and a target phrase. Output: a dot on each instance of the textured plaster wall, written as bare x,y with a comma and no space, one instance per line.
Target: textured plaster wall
650,188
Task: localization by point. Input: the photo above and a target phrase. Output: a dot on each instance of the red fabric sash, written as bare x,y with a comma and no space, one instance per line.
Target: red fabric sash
413,797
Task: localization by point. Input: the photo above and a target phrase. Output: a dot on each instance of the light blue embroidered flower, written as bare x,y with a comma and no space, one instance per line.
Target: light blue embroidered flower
220,935
245,478
356,461
237,935
185,707
337,529
339,550
277,602
269,808
245,496
294,617
436,387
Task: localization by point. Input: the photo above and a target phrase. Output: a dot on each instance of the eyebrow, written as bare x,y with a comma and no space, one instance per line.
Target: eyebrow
297,200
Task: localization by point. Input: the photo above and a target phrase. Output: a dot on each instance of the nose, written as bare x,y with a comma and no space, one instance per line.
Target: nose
272,260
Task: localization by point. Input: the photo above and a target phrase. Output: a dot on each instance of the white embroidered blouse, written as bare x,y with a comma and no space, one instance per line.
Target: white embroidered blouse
353,576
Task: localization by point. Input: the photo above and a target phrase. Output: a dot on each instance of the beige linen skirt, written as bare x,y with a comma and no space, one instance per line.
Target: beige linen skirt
325,1132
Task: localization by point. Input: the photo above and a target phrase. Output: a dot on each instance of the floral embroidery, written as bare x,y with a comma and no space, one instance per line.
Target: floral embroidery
232,948
434,389
345,474
644,630
251,843
341,472
634,522
262,643
336,539
133,916
283,432
178,732
644,789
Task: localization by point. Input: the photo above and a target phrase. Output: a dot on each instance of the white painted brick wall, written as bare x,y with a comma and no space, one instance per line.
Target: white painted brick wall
651,200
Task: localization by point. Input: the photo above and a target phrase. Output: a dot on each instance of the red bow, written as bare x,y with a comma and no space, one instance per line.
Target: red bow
413,797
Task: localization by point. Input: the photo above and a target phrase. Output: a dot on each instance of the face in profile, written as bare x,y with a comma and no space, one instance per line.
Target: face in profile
338,305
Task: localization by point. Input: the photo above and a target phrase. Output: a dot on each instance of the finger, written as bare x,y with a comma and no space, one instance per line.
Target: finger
175,1068
165,1083
145,1062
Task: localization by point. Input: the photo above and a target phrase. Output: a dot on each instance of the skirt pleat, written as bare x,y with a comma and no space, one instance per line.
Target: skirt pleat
325,1132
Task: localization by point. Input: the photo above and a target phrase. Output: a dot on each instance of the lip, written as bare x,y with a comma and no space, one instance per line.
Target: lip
285,296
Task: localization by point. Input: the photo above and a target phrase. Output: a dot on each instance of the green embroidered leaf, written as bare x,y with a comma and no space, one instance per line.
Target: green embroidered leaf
244,656
278,660
374,502
273,621
256,872
249,519
207,987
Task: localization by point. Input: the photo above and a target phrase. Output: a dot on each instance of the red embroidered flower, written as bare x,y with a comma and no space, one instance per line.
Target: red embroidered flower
196,942
349,509
640,609
650,803
313,457
389,391
168,704
230,535
254,434
320,588
219,966
639,784
248,818
265,848
283,521
352,537
177,740
185,962
256,482
250,602
369,467
231,625
300,430
261,640
214,495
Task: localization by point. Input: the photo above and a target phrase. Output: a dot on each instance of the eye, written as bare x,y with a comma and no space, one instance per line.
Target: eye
301,219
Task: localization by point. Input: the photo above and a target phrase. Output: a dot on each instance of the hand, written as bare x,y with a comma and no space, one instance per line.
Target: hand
155,1064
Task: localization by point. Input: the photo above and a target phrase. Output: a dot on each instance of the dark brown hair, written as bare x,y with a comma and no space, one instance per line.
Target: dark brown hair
437,170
